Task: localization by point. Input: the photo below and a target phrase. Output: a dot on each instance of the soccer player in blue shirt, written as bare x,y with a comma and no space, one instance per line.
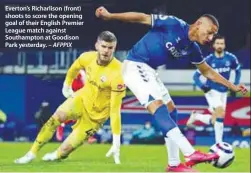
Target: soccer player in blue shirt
169,39
216,94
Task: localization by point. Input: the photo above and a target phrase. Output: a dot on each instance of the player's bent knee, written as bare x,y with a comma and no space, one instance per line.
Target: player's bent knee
220,112
171,106
60,116
154,105
214,116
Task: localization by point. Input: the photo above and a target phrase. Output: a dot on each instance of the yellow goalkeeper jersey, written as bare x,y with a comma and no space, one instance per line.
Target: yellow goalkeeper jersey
104,88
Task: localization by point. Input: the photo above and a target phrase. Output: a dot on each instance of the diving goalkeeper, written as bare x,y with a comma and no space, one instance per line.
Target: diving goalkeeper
90,106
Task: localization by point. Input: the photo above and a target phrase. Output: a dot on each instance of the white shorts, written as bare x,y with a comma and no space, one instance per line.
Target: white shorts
216,99
144,82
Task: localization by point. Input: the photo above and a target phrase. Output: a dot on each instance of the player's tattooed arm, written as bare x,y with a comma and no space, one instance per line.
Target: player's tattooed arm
134,17
211,74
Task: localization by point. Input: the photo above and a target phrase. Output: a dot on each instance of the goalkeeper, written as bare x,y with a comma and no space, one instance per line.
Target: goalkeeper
90,106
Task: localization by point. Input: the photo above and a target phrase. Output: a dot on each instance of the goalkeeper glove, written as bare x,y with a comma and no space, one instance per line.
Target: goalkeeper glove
67,91
115,149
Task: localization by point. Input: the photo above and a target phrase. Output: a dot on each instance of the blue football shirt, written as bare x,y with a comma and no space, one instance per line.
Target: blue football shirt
165,42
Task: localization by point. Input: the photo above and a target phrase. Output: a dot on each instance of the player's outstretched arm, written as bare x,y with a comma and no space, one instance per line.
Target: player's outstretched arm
115,121
211,74
202,86
134,17
117,94
196,79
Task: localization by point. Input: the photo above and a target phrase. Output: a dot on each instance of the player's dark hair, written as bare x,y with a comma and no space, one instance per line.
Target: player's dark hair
218,37
213,19
107,36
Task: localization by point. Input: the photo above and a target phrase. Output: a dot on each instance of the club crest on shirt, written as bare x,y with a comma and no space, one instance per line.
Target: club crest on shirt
103,78
120,86
227,63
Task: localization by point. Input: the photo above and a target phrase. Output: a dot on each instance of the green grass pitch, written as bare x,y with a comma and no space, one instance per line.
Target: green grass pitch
91,158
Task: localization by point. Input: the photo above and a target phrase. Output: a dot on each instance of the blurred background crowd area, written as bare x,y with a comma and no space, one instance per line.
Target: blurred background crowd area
31,79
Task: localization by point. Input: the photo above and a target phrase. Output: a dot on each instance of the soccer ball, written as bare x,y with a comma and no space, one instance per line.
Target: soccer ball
226,153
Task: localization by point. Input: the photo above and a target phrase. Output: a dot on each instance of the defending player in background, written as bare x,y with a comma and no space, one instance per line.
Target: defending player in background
77,84
216,94
90,106
170,39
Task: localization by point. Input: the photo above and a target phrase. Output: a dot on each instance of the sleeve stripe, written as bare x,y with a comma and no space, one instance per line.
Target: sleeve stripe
197,63
152,21
238,67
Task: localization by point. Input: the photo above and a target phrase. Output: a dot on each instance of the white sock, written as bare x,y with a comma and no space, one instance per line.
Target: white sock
55,154
172,152
218,130
181,141
205,118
